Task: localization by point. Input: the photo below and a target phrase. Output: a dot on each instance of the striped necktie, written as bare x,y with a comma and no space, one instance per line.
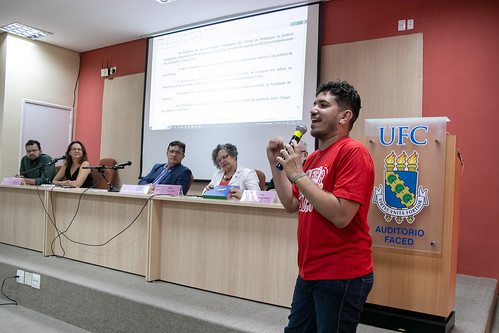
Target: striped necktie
160,177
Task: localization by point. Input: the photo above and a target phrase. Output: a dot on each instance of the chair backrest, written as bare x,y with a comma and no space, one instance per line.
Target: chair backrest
99,181
261,179
190,184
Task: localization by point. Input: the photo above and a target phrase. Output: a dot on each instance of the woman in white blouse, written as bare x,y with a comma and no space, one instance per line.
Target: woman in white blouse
230,172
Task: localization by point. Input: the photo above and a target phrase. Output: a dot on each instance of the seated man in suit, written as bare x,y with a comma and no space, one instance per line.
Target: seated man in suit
172,172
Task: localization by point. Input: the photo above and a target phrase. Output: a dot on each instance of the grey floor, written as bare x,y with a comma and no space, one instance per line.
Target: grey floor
20,319
474,297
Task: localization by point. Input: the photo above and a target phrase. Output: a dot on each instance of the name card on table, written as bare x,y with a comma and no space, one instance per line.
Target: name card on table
173,190
12,181
135,189
258,196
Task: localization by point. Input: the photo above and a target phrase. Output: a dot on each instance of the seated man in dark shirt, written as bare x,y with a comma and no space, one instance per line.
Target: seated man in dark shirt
172,172
35,158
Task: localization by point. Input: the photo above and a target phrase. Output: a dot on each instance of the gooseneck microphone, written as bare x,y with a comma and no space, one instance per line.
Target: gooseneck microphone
123,164
63,157
299,131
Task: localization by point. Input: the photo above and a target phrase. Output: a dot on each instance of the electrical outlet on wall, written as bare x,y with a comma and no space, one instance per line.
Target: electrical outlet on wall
401,25
35,281
410,24
20,276
28,278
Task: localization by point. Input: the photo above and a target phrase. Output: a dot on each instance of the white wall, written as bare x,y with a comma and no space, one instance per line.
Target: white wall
3,51
36,71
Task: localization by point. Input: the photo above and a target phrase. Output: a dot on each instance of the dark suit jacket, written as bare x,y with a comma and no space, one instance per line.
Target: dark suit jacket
178,175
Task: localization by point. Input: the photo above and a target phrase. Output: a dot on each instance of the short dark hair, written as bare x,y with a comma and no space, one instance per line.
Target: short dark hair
33,142
345,95
228,147
177,143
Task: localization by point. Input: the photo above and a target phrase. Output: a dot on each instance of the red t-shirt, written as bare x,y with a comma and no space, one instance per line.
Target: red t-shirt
324,251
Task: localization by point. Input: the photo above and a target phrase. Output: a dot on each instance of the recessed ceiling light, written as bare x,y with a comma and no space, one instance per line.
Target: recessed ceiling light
164,1
24,30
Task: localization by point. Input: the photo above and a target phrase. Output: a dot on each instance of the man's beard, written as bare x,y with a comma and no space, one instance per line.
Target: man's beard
326,131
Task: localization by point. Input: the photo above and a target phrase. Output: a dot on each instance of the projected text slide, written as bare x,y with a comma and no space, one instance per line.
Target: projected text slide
229,73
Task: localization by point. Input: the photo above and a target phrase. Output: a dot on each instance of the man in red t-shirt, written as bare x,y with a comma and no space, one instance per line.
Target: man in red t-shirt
331,192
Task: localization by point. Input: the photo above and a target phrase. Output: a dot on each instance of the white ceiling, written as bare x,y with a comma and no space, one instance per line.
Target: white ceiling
91,24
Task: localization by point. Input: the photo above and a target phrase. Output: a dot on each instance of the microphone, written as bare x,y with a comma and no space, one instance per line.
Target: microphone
63,157
299,131
123,164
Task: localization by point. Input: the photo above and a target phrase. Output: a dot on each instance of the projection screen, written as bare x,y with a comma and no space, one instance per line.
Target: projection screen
240,81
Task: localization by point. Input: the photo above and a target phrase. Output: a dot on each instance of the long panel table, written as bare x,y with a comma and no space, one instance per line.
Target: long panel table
236,248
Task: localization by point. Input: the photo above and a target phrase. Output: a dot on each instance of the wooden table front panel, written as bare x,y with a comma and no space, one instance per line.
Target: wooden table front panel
22,216
238,249
101,216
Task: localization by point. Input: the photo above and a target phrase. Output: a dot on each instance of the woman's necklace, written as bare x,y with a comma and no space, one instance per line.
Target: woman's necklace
227,178
232,171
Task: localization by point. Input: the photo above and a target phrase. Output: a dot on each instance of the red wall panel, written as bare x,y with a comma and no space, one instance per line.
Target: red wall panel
129,58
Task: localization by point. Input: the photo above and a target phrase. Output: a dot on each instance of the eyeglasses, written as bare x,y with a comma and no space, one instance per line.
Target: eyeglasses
223,158
176,152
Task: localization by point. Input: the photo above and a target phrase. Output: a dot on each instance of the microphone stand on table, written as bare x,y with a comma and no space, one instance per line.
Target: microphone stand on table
102,168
